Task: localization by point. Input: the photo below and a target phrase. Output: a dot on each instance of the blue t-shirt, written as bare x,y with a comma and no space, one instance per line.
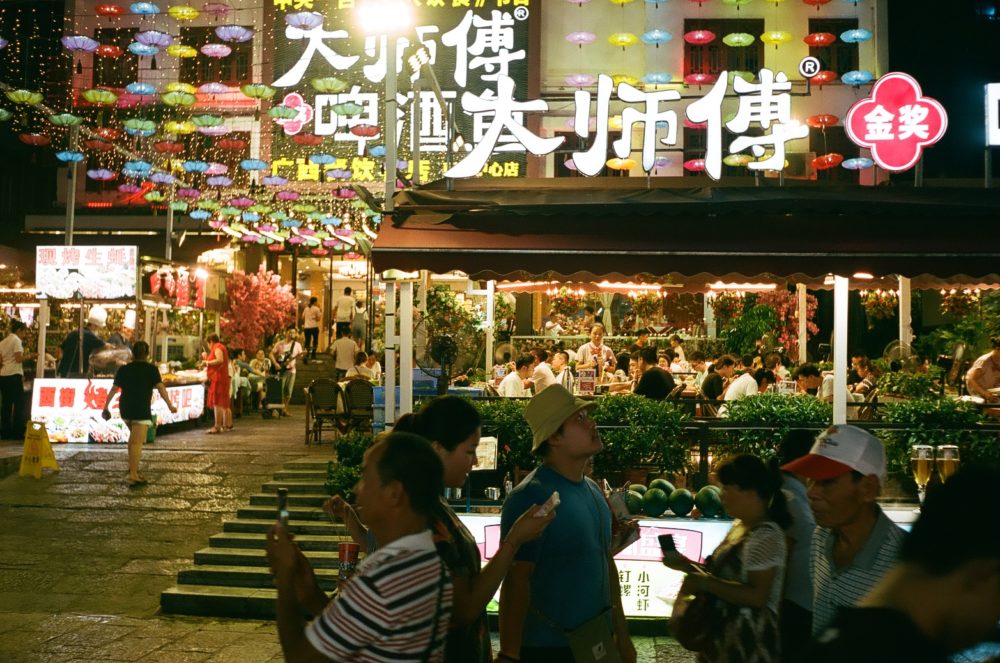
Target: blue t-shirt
570,582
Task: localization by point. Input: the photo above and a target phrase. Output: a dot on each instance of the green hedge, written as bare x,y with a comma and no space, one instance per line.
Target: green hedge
782,411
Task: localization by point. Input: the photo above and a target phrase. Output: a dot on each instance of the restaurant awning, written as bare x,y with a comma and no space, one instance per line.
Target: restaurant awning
590,230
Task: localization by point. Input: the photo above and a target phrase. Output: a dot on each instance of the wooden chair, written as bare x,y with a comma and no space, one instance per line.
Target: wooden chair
360,404
326,409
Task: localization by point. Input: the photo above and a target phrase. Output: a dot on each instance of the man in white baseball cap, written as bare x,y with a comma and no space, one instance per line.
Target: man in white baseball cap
854,544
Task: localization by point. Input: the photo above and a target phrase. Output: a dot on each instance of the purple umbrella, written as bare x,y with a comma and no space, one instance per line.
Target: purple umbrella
101,174
220,130
218,180
129,188
3,43
189,193
217,169
273,180
339,173
234,33
79,43
213,88
304,20
287,195
295,239
162,178
154,38
216,50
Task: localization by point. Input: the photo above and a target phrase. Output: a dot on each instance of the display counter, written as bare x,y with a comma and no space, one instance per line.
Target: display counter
71,408
647,587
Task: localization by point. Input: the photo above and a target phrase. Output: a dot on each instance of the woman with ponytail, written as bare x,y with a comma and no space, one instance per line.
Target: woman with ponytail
746,572
453,427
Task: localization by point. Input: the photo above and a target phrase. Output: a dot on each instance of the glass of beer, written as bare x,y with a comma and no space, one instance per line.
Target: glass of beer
946,460
922,463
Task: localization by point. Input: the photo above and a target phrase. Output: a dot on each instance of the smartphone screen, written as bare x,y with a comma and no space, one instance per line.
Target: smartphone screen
667,543
283,506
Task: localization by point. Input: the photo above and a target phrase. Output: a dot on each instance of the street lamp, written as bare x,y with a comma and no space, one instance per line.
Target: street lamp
391,17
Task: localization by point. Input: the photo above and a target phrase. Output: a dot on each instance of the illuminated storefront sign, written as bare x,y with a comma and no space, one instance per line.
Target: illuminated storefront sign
993,114
71,408
90,272
896,122
333,75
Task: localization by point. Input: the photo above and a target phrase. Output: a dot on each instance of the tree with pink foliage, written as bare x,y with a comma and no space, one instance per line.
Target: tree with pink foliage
786,304
259,307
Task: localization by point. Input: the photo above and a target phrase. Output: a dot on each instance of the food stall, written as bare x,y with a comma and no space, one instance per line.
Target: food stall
80,277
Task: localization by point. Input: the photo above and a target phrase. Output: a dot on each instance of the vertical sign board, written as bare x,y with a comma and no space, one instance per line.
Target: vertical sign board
334,73
993,114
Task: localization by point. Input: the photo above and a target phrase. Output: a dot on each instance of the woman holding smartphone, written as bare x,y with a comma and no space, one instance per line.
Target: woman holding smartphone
746,572
453,427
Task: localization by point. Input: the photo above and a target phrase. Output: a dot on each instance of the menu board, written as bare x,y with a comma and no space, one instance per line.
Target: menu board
88,272
586,381
71,409
486,454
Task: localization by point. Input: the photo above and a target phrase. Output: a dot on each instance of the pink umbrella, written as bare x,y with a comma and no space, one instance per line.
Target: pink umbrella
287,195
236,34
213,88
242,202
216,9
220,130
217,169
216,50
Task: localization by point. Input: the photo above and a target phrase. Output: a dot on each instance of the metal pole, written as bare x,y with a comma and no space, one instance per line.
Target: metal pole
415,133
406,347
74,133
918,174
390,122
988,168
389,371
905,330
43,323
840,294
490,323
168,251
800,290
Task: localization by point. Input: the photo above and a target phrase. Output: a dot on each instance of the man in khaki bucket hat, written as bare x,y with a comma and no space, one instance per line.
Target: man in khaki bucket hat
567,577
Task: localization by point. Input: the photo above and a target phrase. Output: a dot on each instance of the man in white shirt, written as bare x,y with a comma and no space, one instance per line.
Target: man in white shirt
562,371
343,312
345,350
512,386
595,354
12,382
541,373
374,366
311,317
748,384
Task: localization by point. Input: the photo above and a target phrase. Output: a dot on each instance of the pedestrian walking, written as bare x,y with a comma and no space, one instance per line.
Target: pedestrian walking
343,312
216,362
136,381
12,356
311,318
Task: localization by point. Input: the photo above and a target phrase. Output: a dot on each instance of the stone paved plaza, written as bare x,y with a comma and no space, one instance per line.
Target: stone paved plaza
83,558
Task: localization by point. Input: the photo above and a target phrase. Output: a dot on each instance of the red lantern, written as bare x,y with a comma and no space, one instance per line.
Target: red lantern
108,133
827,161
110,11
694,165
108,51
365,130
695,125
232,144
822,121
699,37
816,3
824,77
307,139
98,145
274,248
35,139
820,39
168,147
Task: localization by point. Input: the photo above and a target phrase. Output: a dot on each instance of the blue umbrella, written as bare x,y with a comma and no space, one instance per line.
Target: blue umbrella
657,78
142,50
69,156
195,166
857,77
855,36
144,8
200,214
656,37
142,89
253,164
322,159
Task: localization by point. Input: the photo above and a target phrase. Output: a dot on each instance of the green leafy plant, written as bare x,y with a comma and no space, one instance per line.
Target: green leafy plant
637,432
343,474
756,321
908,385
781,411
923,418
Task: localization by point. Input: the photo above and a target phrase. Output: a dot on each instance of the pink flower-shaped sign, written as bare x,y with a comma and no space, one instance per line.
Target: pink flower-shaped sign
897,122
294,125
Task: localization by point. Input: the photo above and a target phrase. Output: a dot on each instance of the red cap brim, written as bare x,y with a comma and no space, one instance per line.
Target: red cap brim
814,466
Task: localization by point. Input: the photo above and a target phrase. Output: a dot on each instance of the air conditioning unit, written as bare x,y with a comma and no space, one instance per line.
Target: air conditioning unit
800,166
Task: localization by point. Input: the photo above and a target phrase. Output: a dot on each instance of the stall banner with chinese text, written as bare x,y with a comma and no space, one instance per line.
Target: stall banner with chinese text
71,408
471,46
90,272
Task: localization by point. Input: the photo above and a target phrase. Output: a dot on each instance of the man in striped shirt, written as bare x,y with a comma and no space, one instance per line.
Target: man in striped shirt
854,544
398,605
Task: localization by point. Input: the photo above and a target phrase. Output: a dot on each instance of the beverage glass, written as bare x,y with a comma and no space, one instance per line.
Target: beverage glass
922,462
946,460
347,558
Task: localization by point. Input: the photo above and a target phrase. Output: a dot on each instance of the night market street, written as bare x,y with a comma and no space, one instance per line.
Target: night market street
85,558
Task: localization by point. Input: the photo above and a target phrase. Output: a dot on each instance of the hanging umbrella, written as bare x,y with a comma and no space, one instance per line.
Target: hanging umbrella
162,178
273,180
181,51
195,166
216,10
178,127
154,38
235,144
129,188
100,97
328,85
101,174
65,120
141,89
217,169
142,50
253,164
304,20
183,13
321,159
24,97
79,43
259,91
70,156
216,50
207,120
213,88
144,8
218,180
178,99
35,139
235,34
168,147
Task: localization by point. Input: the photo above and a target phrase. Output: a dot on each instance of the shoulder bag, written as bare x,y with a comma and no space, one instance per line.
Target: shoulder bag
591,641
693,619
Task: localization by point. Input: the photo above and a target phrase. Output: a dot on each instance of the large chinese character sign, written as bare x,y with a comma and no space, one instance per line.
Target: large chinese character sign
897,122
331,70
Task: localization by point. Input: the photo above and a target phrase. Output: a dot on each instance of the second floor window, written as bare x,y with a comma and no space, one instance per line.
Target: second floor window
716,56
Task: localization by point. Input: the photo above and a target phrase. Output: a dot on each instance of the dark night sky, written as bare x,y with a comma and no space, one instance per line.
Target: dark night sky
951,48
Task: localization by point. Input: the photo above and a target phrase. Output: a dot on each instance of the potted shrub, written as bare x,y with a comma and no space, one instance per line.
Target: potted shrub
641,436
901,385
343,474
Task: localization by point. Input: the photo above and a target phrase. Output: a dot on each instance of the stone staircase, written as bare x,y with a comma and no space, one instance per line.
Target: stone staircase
230,578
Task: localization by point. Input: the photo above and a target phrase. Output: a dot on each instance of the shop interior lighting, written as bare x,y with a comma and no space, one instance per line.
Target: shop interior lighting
864,276
523,284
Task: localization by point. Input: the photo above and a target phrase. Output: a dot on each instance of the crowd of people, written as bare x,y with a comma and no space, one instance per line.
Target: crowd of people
812,569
